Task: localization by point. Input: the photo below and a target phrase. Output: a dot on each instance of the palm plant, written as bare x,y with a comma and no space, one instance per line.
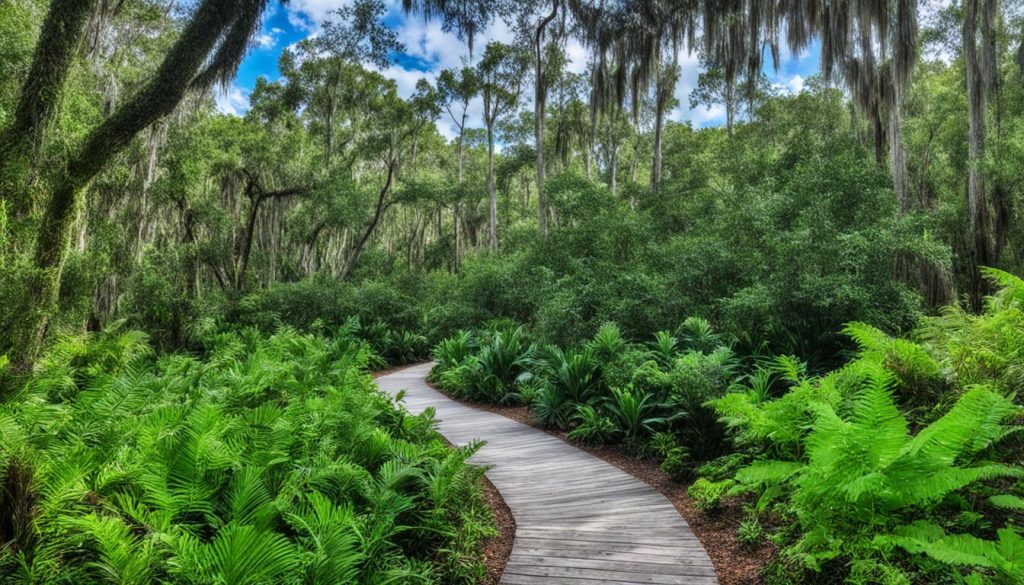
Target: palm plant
607,343
636,414
502,361
592,426
454,350
552,408
664,348
697,334
576,375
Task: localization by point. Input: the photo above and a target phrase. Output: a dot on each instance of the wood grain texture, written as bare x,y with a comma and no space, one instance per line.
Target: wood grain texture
579,519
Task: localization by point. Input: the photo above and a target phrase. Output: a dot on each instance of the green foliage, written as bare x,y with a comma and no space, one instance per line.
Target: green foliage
749,533
266,460
637,415
552,408
707,495
455,350
677,464
986,348
592,426
848,468
1004,557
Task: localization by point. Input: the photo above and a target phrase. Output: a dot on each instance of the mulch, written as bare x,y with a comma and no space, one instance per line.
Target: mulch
497,549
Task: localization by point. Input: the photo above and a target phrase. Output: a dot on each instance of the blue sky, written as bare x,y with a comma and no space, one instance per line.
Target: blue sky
428,50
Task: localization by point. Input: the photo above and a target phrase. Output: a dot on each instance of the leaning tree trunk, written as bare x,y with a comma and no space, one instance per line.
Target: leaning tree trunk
59,41
180,71
378,212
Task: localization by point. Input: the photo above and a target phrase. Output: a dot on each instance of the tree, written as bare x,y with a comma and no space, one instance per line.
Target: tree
456,89
331,61
664,101
208,51
501,73
548,62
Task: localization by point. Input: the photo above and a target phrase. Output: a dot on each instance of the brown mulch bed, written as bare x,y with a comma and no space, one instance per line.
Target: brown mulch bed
734,563
497,549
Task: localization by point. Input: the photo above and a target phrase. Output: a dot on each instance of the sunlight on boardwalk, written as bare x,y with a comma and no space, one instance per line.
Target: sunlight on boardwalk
580,520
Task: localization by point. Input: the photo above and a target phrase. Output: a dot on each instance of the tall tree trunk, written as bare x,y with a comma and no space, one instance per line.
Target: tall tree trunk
492,194
730,108
613,162
979,58
898,153
539,106
382,205
659,126
153,142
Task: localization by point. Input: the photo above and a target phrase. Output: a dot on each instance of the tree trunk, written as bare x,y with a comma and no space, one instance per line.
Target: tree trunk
357,250
179,71
659,125
539,106
614,170
898,154
59,40
980,71
492,194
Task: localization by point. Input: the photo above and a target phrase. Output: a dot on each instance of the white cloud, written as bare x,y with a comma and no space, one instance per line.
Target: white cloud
232,100
308,14
794,84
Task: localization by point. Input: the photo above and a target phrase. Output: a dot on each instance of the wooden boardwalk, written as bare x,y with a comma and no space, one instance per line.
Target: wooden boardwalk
579,519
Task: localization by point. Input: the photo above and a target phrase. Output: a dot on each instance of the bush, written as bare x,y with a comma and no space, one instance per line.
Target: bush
707,495
677,464
592,427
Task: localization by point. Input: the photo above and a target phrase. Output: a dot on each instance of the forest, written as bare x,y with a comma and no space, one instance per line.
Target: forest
806,318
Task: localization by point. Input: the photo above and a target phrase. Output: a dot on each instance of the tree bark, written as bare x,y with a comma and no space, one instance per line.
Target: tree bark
978,14
59,41
492,194
540,105
382,205
178,72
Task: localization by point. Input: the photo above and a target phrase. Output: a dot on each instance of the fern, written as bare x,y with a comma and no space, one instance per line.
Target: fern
270,460
849,466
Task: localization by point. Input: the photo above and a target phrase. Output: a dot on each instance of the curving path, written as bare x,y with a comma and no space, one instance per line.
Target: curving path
579,519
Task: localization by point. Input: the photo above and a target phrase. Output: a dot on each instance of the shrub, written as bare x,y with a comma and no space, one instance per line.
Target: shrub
592,426
707,495
454,350
677,464
749,533
694,380
636,414
607,344
551,408
858,472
